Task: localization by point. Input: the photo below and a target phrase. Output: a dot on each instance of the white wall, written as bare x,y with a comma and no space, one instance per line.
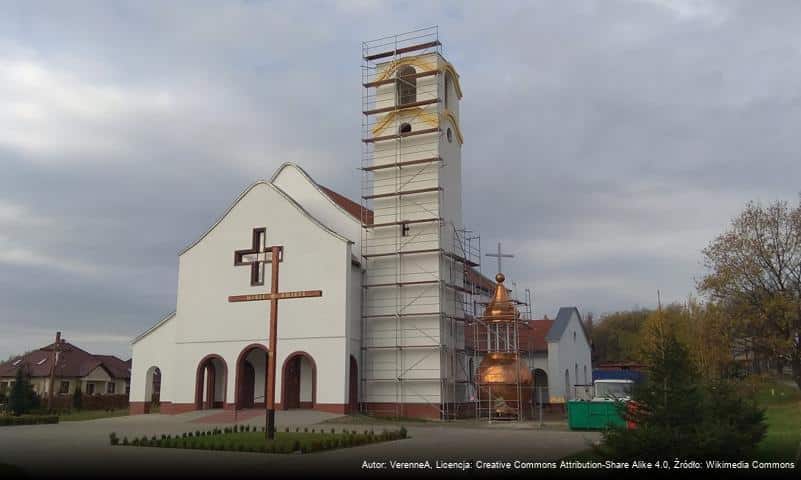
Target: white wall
565,355
206,323
156,349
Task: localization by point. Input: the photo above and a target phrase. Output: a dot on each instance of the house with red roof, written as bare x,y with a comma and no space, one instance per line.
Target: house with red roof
72,367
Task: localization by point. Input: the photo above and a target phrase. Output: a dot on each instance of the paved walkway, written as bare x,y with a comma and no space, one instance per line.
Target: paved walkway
82,448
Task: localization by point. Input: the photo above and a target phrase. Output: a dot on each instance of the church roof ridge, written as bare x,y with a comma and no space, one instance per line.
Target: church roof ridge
154,327
341,202
562,320
280,192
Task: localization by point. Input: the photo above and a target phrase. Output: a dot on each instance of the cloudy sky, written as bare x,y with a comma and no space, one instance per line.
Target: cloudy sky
614,139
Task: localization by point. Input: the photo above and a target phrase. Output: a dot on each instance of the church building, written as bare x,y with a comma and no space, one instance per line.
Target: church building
397,272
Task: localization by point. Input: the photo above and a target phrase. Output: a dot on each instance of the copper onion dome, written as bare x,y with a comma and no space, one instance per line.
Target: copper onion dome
501,308
504,377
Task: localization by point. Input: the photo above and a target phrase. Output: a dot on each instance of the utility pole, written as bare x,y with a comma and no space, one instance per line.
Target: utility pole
53,360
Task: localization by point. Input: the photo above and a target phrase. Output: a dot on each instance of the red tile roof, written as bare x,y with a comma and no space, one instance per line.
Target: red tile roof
349,206
533,338
72,362
531,333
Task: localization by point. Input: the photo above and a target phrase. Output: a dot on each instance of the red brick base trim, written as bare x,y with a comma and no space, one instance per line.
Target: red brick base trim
169,408
331,407
137,408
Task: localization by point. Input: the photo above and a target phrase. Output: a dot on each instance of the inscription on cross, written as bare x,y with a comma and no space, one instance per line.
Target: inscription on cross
256,257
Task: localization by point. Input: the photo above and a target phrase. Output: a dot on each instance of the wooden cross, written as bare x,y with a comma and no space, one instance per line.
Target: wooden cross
255,256
274,256
500,255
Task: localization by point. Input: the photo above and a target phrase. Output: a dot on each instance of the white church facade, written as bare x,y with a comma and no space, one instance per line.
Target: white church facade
397,274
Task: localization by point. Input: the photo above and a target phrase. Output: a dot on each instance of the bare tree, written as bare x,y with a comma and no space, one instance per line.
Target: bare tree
755,273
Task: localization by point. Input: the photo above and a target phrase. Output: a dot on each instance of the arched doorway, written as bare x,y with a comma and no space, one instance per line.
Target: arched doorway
541,386
353,387
251,377
152,389
298,381
211,383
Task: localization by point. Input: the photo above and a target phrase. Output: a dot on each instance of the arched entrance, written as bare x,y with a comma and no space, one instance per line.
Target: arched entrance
541,386
211,382
251,377
152,389
353,387
298,381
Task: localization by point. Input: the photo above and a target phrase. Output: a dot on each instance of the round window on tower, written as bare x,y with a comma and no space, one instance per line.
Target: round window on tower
405,128
449,134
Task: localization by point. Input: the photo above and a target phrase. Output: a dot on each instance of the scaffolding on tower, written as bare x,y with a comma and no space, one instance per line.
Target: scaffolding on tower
415,300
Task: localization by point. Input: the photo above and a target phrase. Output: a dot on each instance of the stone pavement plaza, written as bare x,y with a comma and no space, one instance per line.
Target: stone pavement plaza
82,448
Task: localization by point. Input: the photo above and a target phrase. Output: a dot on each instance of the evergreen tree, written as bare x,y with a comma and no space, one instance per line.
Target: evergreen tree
19,398
678,415
77,398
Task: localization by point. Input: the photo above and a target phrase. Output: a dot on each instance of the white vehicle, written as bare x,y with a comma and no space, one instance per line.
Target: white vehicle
612,390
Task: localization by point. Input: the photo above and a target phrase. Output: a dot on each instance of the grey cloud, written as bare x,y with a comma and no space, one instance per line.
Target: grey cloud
618,136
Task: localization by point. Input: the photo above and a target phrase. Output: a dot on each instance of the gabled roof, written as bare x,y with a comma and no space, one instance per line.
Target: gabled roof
532,336
354,209
289,199
72,362
154,327
561,322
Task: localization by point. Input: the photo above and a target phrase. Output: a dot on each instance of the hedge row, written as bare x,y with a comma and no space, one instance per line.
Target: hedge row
216,440
9,420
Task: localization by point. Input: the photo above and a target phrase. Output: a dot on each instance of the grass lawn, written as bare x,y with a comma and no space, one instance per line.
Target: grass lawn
255,441
77,416
782,404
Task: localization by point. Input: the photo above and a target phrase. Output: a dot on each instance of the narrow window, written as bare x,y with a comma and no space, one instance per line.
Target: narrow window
407,85
110,386
447,88
64,387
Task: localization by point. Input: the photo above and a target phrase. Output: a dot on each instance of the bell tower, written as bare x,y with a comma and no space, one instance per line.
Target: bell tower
414,247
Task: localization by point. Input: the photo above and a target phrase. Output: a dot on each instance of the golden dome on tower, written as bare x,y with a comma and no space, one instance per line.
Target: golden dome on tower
501,308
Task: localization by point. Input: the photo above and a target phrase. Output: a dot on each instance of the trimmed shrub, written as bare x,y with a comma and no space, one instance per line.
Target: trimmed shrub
8,421
403,432
112,439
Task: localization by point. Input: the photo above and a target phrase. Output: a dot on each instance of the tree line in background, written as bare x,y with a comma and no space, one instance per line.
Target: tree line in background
749,319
